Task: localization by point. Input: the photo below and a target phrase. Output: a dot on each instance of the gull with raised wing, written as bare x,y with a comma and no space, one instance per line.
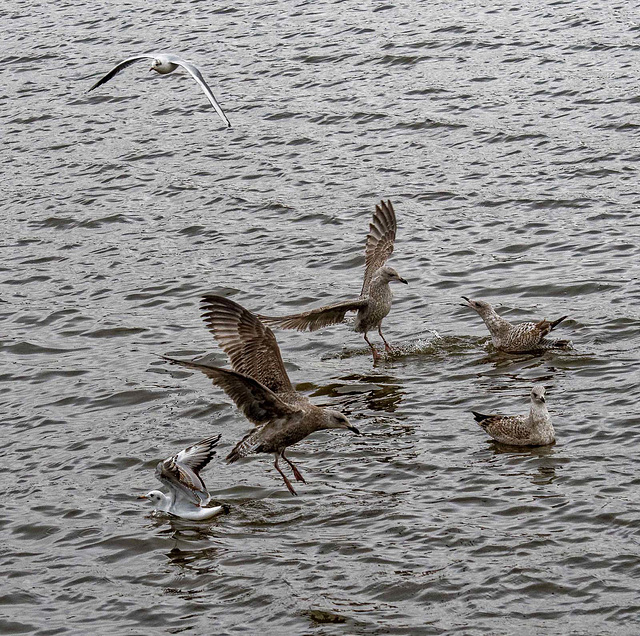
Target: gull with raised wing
259,386
374,302
517,430
164,63
188,496
527,337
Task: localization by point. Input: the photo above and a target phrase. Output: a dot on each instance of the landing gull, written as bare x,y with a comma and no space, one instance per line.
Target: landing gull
517,430
188,496
164,63
259,386
527,337
374,302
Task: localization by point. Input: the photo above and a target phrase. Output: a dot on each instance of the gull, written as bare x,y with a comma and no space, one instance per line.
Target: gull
164,63
180,473
523,338
374,302
517,430
259,386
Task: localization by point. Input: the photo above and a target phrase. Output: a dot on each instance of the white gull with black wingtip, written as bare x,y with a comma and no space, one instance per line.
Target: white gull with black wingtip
165,63
180,474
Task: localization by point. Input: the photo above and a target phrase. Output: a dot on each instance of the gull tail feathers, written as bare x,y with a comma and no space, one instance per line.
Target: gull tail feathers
246,446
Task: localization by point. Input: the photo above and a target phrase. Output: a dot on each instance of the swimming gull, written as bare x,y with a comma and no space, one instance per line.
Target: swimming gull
164,63
375,298
517,430
527,337
188,496
259,385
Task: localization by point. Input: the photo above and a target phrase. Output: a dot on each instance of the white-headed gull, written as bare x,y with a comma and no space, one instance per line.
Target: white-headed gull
165,63
188,495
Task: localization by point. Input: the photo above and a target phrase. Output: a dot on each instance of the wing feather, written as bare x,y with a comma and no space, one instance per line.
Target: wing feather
318,318
251,346
380,241
120,67
194,71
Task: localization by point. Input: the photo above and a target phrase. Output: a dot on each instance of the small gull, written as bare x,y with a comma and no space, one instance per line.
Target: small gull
375,298
188,495
526,337
259,385
165,63
517,430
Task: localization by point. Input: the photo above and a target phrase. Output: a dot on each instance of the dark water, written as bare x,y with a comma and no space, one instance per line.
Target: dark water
507,135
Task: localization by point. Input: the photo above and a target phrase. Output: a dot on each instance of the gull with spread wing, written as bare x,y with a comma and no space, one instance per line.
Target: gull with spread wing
164,63
259,386
375,298
180,474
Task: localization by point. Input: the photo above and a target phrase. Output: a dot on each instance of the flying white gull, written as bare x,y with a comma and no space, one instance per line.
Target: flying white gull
374,302
260,386
517,430
164,63
527,337
188,495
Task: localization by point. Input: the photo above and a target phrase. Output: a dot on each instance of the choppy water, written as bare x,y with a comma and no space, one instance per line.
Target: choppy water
507,137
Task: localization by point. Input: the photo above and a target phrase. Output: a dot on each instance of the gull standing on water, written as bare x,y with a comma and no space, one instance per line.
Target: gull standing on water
527,337
188,495
516,430
375,298
164,63
260,386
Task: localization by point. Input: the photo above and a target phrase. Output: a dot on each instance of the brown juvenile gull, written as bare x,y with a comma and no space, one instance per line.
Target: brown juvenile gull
375,298
517,430
260,386
188,496
526,337
165,63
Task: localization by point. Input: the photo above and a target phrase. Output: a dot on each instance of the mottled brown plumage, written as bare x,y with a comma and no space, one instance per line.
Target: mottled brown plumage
375,298
259,385
527,337
516,430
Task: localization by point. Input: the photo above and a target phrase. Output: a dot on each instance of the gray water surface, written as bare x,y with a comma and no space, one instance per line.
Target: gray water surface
507,136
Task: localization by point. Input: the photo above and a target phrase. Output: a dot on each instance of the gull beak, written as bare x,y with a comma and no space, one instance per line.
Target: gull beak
152,69
542,398
402,280
355,430
142,497
468,302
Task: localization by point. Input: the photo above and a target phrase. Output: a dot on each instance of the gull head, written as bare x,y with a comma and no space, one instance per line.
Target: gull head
537,394
387,274
335,419
154,496
480,306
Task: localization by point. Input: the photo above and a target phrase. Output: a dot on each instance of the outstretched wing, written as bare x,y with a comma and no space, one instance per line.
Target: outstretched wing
251,347
257,402
119,67
380,241
180,473
194,71
316,318
546,326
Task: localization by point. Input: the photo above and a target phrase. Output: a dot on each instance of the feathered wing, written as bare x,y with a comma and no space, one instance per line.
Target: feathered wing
251,346
529,336
502,427
315,319
194,71
380,241
120,67
180,473
258,403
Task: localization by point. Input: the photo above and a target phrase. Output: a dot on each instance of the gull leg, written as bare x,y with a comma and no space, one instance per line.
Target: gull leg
373,349
387,346
287,483
296,472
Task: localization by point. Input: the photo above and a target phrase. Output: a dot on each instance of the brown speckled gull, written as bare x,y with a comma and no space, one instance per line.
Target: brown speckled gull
527,337
260,386
517,430
375,298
